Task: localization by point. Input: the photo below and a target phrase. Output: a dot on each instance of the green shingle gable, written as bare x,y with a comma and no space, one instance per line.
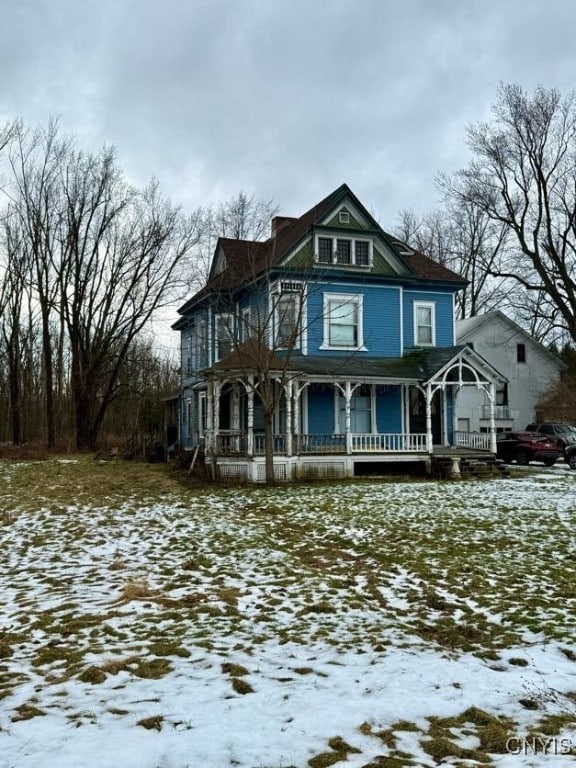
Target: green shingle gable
354,223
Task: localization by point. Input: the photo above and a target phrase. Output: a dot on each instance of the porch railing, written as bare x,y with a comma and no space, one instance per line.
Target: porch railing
479,440
278,443
402,442
232,442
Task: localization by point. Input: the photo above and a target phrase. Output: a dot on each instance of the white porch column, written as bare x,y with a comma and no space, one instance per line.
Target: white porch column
235,409
348,415
250,420
406,410
297,393
429,440
217,391
209,416
288,398
492,401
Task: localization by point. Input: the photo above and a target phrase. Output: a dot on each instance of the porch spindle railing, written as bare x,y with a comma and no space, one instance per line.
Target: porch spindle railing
478,440
401,442
278,443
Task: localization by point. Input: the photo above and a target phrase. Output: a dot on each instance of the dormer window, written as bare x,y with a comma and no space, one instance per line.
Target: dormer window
344,251
325,250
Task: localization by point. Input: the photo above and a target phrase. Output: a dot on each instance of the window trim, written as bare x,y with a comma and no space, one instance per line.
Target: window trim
431,305
353,298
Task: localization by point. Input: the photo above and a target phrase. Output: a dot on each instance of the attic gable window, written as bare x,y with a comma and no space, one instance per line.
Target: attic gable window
343,251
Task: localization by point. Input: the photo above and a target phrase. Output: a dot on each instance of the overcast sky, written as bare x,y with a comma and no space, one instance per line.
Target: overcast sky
285,100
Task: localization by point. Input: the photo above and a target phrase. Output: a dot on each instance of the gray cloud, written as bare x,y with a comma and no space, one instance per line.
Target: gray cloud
283,99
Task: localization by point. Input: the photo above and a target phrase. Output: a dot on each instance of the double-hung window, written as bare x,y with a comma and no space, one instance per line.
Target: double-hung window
343,326
224,335
287,321
424,324
201,347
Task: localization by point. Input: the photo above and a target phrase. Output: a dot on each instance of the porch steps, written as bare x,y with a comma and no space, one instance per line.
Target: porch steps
485,466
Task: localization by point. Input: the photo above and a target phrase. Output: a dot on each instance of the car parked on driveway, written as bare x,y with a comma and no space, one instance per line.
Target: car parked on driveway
524,447
570,455
564,434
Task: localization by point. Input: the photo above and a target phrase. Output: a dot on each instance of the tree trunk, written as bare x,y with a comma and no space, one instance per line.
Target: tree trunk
14,388
48,384
269,447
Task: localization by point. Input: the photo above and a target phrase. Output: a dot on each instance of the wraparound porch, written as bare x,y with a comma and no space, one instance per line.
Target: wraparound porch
236,443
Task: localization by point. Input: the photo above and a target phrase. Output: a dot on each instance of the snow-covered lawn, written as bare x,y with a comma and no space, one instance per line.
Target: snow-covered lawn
368,625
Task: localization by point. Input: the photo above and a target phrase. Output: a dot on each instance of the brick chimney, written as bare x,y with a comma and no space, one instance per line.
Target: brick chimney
280,222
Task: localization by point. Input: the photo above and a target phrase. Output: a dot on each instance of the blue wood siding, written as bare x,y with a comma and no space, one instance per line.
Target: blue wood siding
320,410
381,319
389,409
444,314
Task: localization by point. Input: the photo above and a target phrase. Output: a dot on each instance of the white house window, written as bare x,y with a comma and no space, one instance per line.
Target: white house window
347,251
287,321
343,326
424,324
224,335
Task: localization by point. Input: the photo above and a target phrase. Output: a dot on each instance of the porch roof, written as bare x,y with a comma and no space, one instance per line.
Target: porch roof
416,366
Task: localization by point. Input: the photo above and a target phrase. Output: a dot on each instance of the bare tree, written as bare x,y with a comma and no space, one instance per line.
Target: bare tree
523,176
243,217
13,286
122,259
35,158
464,239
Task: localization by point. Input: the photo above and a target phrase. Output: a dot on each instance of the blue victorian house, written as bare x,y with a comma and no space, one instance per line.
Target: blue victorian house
328,348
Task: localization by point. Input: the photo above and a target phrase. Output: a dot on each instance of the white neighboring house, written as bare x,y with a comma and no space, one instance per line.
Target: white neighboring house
527,365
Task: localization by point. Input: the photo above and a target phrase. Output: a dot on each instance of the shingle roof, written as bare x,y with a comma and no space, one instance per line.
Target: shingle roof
419,365
247,259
